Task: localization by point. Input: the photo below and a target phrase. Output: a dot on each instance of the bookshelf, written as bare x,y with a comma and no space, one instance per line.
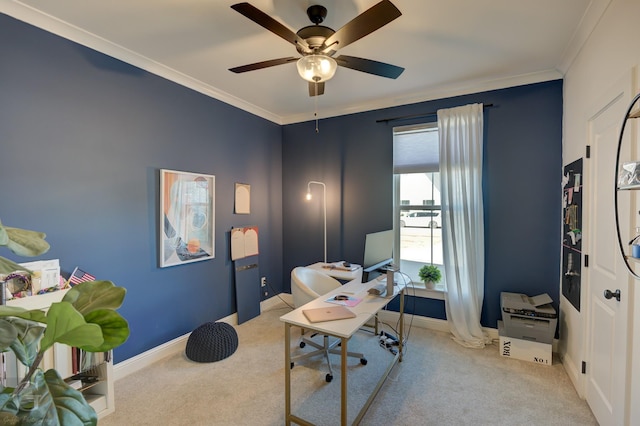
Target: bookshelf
98,393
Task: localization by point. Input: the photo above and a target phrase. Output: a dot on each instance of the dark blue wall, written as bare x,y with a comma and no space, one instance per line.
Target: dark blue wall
522,188
83,136
82,139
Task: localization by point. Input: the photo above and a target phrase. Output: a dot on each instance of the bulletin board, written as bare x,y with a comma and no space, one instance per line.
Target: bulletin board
572,232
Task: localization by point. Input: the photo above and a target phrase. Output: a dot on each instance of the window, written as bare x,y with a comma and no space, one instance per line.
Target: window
417,203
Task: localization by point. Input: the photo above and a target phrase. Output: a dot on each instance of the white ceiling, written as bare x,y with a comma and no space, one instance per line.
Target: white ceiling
447,47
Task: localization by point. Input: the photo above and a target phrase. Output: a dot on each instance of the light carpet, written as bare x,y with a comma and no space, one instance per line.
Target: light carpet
438,383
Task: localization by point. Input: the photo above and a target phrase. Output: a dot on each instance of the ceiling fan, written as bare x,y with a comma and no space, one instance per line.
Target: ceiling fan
318,44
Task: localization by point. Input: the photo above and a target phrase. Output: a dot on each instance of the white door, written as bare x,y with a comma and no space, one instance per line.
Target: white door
607,328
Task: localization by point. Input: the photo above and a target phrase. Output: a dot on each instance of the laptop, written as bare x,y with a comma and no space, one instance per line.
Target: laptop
329,313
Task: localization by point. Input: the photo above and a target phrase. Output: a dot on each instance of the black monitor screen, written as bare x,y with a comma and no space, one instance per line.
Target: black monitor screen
378,252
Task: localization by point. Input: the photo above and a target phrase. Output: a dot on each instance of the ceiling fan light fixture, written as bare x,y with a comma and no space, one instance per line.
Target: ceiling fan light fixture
317,68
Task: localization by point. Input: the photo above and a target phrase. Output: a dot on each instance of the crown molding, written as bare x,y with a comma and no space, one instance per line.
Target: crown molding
49,23
588,23
440,92
70,32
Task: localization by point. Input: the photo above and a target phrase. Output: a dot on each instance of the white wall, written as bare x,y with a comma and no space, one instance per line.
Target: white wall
611,52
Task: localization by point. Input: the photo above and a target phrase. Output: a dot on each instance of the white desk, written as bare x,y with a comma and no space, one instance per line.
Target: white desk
342,329
338,273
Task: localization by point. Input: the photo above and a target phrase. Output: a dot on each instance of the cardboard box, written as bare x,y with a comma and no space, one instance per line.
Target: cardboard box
525,350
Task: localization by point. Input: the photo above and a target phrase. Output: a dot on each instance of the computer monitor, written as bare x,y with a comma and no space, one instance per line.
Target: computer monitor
378,253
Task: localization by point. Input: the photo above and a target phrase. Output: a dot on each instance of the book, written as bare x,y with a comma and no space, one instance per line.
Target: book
75,384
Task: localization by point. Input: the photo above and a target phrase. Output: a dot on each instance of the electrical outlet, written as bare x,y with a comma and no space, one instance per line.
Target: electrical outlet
263,282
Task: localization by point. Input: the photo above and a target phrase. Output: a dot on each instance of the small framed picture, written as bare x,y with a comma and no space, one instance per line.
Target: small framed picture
243,198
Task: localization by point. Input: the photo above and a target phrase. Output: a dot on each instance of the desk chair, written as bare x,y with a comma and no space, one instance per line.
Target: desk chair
307,285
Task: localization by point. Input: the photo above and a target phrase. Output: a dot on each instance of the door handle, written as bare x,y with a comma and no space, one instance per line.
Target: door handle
608,294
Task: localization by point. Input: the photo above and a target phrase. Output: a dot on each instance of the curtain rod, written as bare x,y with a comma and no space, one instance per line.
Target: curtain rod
426,114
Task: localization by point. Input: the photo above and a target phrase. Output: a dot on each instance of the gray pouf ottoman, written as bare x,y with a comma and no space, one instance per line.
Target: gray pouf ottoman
211,342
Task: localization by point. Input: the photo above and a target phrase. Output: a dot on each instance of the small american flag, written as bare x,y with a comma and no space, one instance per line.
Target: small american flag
79,276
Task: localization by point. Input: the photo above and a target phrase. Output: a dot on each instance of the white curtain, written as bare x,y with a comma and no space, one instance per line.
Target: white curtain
460,131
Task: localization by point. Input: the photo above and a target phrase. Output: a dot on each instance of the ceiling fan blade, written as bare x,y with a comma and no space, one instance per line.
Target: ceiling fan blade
316,89
369,66
266,21
365,23
263,64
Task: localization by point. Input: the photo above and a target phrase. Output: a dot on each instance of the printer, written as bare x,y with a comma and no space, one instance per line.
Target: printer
528,318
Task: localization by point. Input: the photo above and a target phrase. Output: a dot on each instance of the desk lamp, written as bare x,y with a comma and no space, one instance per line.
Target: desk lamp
324,203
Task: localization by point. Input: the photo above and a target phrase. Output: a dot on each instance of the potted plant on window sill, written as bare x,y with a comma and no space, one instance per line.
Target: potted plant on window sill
430,275
86,318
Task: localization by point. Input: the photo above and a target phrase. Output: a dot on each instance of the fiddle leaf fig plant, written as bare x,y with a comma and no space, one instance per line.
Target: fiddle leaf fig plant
80,320
23,243
85,318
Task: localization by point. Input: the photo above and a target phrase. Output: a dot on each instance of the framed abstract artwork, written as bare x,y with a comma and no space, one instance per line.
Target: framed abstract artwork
187,217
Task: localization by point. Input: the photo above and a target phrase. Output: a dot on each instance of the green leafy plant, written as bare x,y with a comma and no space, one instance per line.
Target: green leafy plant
85,318
23,243
430,273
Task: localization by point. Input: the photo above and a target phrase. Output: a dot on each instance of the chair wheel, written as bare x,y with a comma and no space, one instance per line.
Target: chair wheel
291,365
302,344
363,361
328,378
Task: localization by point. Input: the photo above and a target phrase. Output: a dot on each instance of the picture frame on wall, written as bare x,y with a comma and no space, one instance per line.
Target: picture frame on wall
243,198
187,217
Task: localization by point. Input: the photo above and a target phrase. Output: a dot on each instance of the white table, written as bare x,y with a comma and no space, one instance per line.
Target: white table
342,329
338,273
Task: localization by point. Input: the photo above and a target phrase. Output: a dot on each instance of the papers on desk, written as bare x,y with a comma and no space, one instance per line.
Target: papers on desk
350,301
339,266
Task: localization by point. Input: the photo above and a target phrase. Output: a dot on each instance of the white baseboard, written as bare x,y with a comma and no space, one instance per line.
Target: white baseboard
414,320
138,362
428,323
172,347
275,301
575,374
131,365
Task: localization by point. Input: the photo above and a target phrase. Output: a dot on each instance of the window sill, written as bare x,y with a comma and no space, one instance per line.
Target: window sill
418,289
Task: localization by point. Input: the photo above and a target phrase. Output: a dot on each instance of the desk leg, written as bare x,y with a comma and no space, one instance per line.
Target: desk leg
287,374
377,330
343,380
401,327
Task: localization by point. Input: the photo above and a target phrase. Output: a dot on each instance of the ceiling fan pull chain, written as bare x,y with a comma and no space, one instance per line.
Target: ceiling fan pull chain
315,104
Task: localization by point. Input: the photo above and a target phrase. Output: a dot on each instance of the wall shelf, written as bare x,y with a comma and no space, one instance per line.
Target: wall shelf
630,114
629,187
39,301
